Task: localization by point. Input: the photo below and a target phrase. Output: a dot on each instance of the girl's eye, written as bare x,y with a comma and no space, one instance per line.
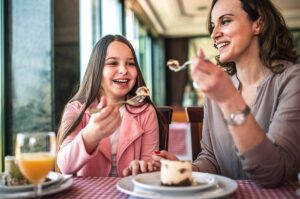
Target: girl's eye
113,63
131,63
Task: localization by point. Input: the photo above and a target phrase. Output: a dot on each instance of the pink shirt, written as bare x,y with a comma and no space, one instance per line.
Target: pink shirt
138,139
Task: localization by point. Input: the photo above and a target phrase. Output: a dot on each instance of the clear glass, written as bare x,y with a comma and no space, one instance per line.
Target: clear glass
35,156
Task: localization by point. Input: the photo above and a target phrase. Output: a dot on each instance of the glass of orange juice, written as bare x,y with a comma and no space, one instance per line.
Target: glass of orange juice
35,156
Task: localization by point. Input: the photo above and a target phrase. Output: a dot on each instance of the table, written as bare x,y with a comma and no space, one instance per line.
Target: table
105,187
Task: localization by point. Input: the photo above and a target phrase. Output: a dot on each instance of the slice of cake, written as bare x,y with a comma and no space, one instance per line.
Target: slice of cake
176,173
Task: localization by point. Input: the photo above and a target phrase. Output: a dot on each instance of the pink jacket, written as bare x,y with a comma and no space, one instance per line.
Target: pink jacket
138,139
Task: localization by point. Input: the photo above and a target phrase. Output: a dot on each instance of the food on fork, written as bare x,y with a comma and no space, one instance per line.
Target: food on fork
176,173
173,63
143,90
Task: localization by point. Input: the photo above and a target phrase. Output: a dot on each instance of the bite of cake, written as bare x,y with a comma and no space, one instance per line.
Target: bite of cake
176,173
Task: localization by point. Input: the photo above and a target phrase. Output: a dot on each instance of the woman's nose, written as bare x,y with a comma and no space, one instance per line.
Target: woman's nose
216,33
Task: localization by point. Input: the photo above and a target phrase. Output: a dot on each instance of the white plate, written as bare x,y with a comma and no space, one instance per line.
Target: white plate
65,183
152,181
224,187
52,176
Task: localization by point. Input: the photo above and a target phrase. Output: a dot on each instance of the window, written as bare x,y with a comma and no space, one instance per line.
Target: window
111,17
1,86
89,22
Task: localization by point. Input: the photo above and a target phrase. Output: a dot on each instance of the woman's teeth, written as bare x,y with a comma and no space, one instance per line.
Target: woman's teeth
222,44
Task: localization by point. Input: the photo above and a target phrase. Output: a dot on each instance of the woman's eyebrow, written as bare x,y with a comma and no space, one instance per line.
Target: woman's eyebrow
225,15
222,16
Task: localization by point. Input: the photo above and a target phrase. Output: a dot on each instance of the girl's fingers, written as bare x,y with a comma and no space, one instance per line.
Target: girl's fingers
150,166
143,166
126,172
134,165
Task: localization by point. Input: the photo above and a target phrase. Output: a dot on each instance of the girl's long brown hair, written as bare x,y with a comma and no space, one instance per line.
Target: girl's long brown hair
275,40
89,90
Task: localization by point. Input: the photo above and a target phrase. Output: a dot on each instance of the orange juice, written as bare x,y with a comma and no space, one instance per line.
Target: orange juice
36,166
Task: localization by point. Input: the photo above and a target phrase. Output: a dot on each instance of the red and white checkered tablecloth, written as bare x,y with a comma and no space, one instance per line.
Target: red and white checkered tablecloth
105,187
249,189
91,187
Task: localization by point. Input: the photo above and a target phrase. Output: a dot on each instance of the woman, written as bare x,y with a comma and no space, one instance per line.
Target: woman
252,119
103,143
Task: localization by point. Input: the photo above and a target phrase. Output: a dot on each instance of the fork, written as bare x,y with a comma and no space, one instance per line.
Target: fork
134,101
175,66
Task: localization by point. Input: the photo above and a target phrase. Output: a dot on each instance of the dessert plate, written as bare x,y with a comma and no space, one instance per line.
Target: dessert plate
53,177
63,184
152,181
224,187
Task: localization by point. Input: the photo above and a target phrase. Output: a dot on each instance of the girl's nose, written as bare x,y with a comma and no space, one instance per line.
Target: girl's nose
123,68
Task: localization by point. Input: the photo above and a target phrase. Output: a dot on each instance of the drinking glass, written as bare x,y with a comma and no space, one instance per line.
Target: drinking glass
35,156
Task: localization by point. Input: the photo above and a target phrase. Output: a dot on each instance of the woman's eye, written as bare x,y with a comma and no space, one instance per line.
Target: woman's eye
225,21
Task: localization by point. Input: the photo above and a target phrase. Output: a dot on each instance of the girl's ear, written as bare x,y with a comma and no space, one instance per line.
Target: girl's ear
257,26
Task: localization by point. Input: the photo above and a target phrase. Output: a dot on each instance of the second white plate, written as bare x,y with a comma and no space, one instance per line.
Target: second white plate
52,176
152,182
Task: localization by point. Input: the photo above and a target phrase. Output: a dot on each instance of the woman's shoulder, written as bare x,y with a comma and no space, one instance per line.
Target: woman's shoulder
289,69
289,74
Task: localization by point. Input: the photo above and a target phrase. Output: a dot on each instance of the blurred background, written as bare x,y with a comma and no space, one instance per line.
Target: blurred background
46,44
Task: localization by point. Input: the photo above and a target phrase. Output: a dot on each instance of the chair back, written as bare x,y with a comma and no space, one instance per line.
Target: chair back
167,113
194,116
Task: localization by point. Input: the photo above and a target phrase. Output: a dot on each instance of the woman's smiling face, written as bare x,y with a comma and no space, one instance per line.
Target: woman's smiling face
233,31
119,72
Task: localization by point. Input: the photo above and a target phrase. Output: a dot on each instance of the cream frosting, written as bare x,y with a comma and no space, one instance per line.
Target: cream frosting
175,172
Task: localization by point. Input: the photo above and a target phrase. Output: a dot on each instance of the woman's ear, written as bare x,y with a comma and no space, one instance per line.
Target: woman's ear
257,26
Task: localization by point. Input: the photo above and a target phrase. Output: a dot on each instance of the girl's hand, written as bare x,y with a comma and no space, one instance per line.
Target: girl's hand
214,82
142,166
101,124
139,166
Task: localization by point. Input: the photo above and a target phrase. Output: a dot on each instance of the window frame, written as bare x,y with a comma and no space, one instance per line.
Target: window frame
2,132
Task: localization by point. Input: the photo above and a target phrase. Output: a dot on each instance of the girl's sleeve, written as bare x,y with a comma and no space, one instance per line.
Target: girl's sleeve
150,139
72,154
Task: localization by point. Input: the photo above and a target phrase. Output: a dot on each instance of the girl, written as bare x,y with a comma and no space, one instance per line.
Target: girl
104,143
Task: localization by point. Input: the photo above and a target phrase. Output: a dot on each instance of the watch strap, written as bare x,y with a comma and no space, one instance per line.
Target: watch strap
231,120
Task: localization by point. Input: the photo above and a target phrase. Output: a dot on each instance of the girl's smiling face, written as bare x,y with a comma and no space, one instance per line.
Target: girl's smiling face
119,72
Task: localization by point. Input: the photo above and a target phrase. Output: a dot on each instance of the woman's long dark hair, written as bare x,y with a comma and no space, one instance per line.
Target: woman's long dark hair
89,90
275,40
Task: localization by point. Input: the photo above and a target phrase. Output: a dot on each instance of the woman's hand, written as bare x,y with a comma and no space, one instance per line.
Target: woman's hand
162,155
214,82
101,124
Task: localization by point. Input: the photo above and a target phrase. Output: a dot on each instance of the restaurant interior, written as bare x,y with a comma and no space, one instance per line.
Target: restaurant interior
46,44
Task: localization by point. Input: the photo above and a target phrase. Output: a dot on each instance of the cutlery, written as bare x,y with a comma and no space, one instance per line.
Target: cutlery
141,94
64,179
175,66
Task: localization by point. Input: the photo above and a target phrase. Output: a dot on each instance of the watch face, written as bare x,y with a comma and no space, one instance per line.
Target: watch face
239,118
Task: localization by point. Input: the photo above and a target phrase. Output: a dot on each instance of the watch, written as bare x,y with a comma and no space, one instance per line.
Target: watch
238,118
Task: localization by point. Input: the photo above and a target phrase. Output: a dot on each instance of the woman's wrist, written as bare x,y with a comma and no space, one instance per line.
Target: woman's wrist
232,104
195,168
